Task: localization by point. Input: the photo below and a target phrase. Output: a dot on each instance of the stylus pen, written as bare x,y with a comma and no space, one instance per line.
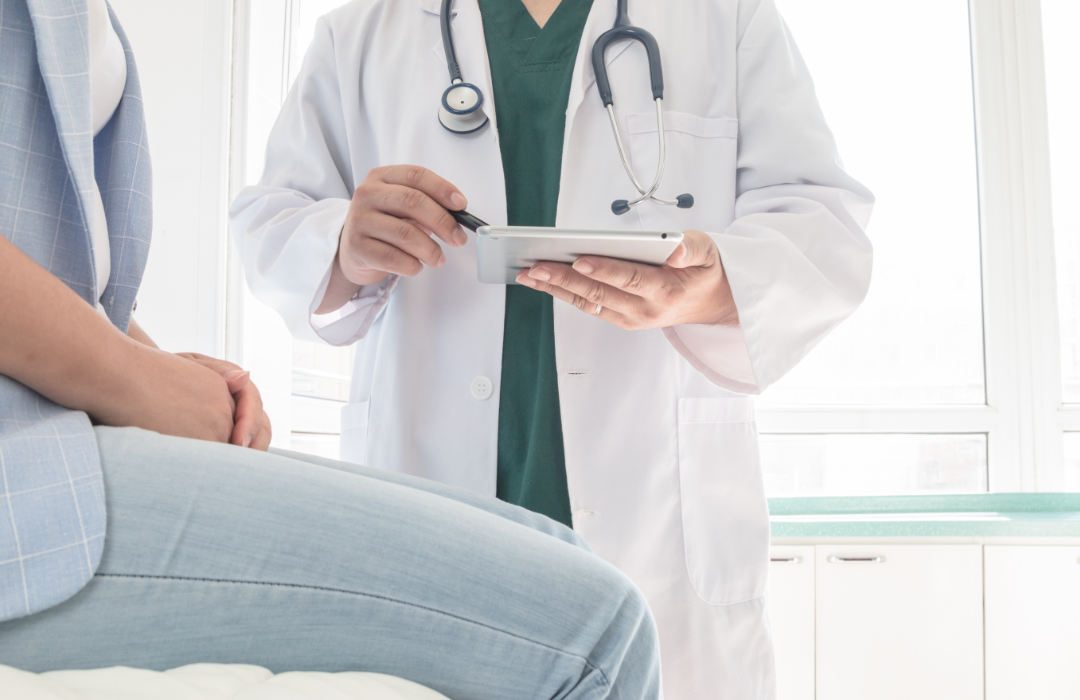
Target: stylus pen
467,220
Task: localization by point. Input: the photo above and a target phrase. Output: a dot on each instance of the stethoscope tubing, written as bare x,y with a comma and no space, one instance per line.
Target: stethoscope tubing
645,194
448,42
622,30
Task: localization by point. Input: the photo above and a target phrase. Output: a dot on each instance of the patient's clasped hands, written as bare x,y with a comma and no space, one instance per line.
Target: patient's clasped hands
250,424
187,395
237,414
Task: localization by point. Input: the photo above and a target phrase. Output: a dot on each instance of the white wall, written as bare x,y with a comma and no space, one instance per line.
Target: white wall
184,57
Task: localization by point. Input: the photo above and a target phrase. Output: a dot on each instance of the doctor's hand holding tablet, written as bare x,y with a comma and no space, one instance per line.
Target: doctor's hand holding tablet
690,287
398,211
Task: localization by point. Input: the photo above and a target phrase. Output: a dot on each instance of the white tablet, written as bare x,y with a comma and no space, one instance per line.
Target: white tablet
503,251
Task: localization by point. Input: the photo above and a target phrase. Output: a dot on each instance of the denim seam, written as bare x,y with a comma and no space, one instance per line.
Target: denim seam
603,676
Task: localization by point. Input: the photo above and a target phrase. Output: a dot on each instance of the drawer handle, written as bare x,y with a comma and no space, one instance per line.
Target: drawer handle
856,560
786,560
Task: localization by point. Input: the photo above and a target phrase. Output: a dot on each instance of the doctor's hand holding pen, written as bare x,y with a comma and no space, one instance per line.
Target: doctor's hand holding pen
388,230
55,343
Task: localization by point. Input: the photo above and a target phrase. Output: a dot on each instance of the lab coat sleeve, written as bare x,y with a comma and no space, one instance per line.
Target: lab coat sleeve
287,227
796,255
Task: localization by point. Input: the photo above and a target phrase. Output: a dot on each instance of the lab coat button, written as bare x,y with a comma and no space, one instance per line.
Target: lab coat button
482,388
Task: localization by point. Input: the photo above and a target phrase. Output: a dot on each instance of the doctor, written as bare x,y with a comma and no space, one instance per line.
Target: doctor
624,411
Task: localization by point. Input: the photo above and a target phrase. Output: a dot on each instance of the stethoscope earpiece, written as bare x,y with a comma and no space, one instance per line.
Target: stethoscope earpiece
621,206
459,110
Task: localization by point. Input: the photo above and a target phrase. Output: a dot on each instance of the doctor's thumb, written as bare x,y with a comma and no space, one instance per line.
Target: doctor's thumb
695,250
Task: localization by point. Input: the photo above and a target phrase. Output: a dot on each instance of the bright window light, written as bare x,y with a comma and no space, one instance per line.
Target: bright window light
835,465
1061,19
1071,481
895,82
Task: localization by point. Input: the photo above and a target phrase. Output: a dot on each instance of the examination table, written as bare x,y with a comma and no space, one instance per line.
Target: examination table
206,682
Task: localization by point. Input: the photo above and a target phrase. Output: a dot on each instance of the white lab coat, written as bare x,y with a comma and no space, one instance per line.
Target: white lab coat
661,445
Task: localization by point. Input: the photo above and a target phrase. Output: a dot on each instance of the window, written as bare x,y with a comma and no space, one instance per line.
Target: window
873,464
1061,20
918,338
945,380
1071,477
906,129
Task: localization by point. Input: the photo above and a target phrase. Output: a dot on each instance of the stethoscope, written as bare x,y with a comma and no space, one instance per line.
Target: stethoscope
460,111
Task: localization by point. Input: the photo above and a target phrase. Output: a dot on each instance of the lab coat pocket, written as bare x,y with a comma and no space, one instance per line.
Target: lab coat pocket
701,158
354,432
724,512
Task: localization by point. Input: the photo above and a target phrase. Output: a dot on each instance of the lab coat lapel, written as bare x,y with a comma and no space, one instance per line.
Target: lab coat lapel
471,50
62,34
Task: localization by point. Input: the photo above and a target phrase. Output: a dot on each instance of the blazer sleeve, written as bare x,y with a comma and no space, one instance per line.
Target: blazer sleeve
287,227
796,255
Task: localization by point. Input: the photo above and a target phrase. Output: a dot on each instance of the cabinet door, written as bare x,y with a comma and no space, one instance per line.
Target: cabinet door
791,610
897,622
1032,619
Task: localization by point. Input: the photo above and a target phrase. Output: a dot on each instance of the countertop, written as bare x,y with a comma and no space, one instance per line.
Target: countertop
969,515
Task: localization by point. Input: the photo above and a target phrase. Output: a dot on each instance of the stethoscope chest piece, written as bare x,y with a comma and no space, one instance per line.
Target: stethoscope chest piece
459,110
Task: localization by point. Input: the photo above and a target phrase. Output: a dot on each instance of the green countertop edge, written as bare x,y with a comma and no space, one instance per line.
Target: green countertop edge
1021,515
926,529
951,503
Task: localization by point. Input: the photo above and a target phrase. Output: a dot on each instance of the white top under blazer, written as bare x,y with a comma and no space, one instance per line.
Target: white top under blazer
108,76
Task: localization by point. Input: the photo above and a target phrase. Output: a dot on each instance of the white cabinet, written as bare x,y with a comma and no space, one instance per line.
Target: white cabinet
791,611
897,622
1032,622
914,620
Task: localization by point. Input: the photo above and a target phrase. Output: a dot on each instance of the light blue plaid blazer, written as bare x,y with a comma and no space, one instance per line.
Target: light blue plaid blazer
52,500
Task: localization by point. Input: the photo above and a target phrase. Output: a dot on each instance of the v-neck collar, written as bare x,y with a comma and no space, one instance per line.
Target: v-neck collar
538,48
472,52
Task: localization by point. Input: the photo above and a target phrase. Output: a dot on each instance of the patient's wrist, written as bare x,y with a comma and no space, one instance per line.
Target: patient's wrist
119,381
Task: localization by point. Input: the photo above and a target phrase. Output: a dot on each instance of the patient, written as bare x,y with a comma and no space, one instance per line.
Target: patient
218,552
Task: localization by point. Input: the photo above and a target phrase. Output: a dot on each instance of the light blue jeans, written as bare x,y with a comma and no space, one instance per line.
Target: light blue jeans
219,554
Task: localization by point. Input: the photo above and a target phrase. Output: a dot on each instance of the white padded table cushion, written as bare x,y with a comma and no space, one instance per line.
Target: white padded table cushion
206,682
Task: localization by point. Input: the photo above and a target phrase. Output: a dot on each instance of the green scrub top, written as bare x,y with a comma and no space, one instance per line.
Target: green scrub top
531,69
